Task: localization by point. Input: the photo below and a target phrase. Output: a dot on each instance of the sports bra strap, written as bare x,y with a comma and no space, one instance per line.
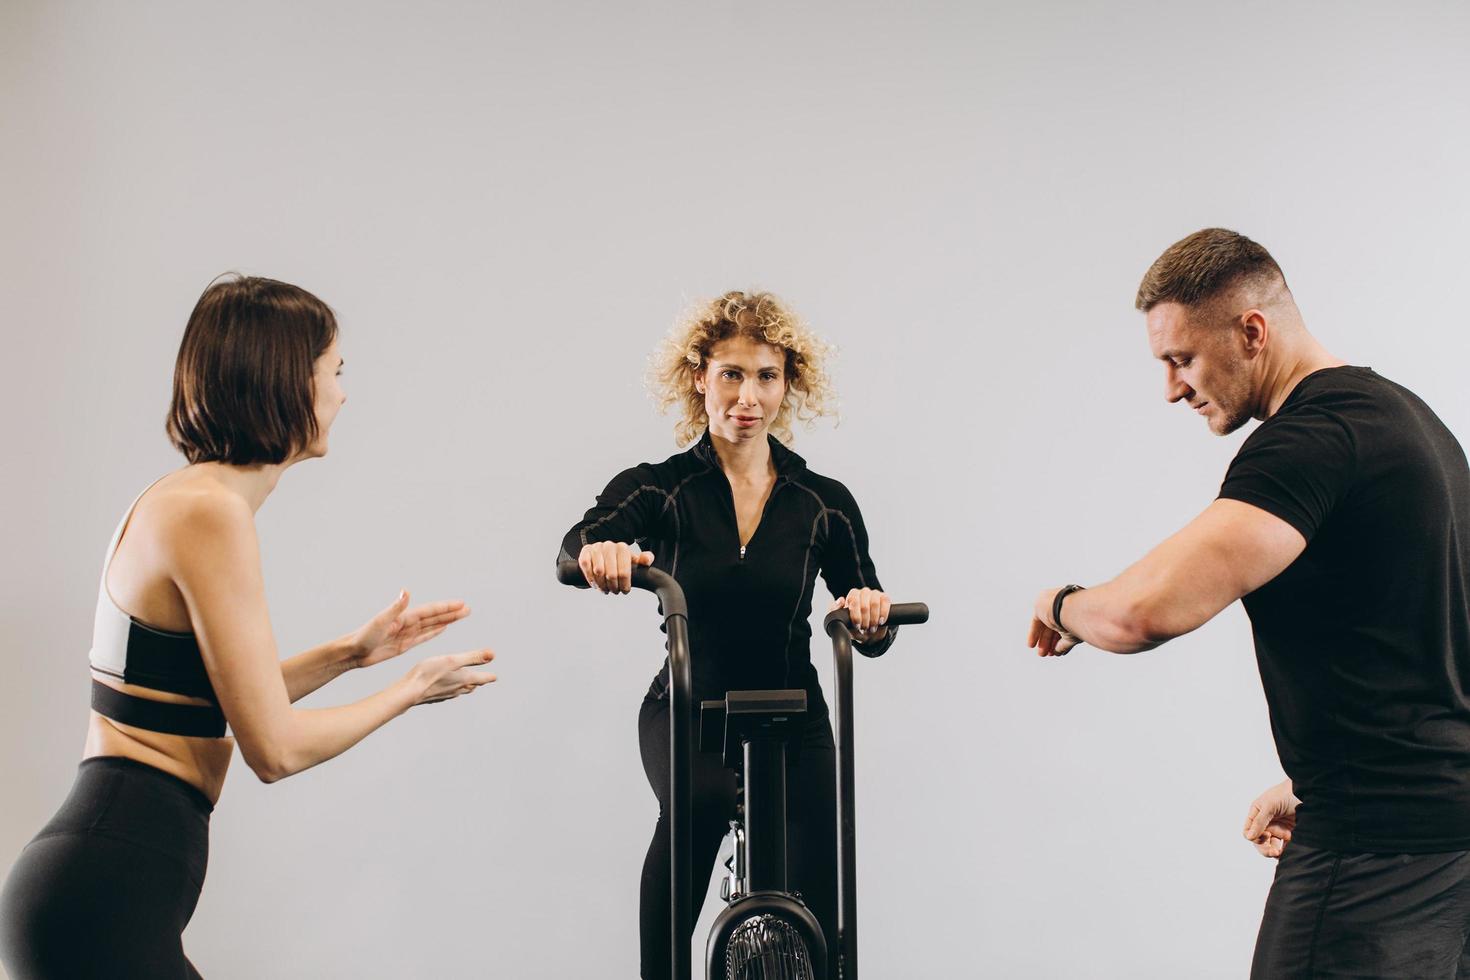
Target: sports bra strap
122,526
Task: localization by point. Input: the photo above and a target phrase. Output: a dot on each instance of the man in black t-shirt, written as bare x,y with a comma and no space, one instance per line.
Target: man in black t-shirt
1344,525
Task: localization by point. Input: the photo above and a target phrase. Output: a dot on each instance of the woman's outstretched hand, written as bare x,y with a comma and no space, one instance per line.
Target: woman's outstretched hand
608,565
450,675
867,613
399,628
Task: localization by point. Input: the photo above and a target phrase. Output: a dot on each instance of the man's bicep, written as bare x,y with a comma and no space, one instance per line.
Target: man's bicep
1245,546
1228,551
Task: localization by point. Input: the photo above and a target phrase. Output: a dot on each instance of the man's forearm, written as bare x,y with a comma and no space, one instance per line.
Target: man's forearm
1112,617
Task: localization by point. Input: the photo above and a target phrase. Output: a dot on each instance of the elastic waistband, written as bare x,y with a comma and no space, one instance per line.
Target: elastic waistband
188,792
166,717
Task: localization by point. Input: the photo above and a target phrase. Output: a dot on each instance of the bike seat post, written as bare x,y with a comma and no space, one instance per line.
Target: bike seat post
762,723
765,812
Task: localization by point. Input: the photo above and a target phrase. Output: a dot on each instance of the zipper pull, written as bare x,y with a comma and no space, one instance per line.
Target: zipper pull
742,552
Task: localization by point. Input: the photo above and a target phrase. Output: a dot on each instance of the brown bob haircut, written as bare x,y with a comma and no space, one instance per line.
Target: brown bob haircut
243,391
1200,268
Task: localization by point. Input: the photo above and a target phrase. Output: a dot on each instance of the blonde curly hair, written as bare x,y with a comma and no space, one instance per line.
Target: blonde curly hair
760,317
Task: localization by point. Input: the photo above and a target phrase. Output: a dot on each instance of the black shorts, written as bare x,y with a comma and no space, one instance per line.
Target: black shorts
1337,914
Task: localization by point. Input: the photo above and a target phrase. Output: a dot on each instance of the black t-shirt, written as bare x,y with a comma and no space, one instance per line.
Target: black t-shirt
1363,642
748,607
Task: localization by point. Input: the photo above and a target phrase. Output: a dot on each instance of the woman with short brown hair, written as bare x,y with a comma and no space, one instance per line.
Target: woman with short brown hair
182,647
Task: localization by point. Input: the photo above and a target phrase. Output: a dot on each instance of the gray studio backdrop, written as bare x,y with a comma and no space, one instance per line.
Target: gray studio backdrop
507,205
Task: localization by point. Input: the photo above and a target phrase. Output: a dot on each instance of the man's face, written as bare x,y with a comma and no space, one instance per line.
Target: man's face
1205,365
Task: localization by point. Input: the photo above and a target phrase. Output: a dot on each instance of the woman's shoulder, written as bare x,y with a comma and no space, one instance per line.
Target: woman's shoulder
833,492
665,475
181,510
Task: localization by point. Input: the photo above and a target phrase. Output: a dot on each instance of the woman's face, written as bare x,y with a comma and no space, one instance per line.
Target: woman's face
326,382
743,384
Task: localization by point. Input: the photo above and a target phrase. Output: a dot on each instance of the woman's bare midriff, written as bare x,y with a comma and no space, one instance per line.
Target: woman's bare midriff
200,762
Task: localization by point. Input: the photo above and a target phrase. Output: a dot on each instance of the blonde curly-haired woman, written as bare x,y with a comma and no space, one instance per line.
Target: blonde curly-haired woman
744,527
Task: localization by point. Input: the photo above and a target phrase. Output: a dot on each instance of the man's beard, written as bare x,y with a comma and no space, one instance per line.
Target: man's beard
1233,411
1229,423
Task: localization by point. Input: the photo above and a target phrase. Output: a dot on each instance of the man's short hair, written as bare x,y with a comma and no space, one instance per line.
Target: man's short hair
243,391
1200,268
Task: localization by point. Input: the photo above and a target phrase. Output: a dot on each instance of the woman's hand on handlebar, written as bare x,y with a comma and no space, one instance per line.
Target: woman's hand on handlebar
608,565
867,613
450,675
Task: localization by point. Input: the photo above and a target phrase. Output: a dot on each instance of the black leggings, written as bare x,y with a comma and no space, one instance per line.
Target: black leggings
811,830
106,888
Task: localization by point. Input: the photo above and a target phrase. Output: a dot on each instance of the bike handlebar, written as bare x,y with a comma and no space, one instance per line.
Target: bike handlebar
568,572
662,584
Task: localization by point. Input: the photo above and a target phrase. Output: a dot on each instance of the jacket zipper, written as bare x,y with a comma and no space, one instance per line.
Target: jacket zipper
730,496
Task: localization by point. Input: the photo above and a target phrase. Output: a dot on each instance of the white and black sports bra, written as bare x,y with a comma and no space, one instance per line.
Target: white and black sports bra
129,649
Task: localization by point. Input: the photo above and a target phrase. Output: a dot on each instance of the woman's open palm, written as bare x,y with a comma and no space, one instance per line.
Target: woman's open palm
398,629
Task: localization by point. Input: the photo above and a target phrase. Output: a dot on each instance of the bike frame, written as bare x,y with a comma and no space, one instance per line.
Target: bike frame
838,627
777,902
763,724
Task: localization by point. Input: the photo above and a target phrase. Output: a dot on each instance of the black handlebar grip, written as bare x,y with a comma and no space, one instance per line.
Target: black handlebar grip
908,613
670,596
568,572
652,580
899,614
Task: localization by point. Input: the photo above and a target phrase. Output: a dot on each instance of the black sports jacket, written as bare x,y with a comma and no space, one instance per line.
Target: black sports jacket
748,607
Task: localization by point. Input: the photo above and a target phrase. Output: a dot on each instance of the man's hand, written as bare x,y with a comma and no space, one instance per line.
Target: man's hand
1271,819
1045,636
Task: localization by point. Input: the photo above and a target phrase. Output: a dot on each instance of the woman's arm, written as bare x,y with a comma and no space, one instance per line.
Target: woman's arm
848,570
214,559
629,510
308,671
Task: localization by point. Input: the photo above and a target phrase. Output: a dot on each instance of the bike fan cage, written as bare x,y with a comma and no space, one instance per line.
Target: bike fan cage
767,947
